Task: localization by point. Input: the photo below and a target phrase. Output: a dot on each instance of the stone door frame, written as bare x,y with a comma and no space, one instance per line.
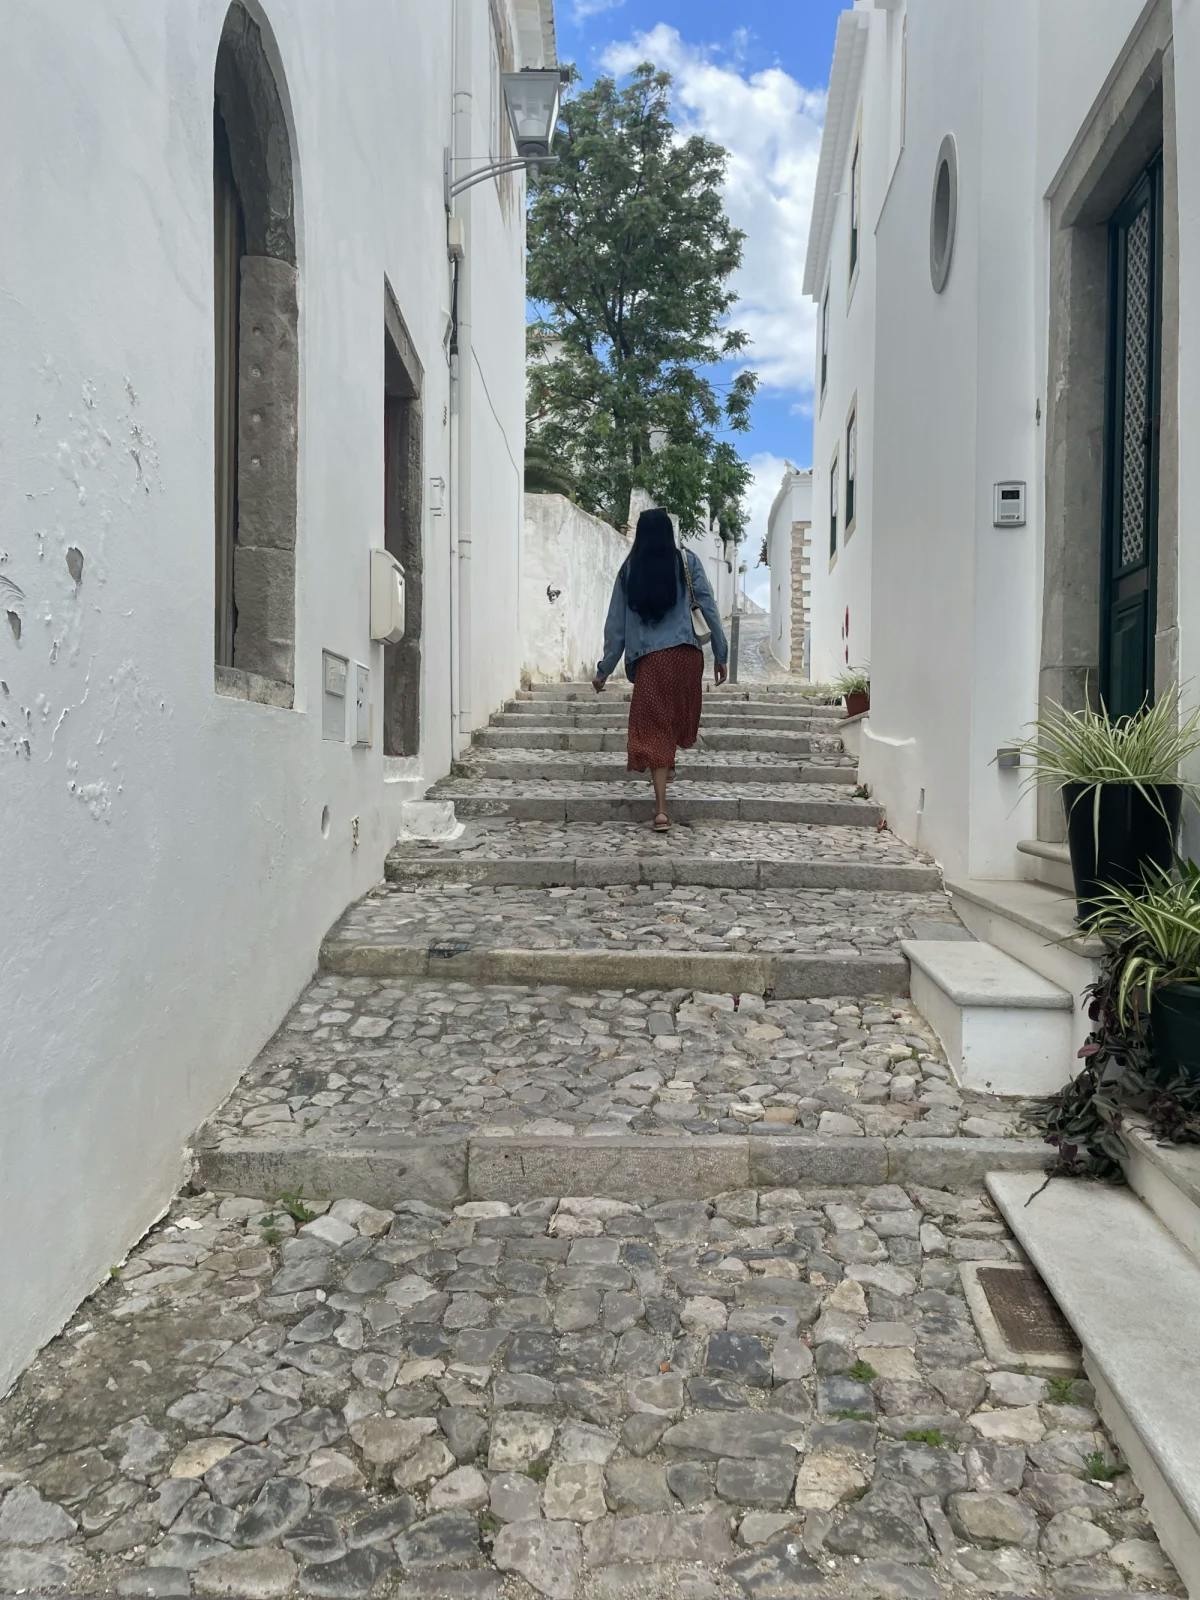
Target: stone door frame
404,526
1133,118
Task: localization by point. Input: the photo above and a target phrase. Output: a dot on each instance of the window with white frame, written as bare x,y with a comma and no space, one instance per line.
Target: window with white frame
851,468
833,507
824,339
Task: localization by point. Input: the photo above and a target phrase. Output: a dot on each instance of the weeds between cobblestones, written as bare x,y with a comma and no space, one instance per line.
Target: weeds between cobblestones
763,1395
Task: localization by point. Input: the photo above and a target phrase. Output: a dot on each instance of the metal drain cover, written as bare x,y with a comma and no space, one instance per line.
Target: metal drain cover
1018,1320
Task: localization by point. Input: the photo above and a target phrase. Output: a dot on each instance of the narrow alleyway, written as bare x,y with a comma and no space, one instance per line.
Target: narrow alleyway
594,1226
756,663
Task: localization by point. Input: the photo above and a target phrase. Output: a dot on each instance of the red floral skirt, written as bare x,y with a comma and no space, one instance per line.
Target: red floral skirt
664,713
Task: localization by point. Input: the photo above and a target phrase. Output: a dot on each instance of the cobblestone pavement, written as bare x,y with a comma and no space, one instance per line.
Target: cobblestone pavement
642,916
762,1396
566,789
830,754
715,841
756,664
358,1056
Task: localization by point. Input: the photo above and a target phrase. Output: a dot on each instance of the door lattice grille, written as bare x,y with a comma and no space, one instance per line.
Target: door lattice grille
1139,292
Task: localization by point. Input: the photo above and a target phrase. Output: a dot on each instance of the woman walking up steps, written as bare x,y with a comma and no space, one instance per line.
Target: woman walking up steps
658,599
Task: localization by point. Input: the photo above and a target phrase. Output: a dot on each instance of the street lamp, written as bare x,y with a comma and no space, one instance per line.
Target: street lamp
531,98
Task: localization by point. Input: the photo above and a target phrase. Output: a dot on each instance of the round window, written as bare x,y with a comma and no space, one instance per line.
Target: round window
943,216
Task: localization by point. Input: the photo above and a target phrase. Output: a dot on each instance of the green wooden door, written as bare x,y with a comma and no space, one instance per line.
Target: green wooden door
1131,448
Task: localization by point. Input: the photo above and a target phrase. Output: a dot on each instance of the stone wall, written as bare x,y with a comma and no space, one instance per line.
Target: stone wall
800,561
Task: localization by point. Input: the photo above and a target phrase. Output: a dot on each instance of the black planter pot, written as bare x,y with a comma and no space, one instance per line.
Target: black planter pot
1176,1020
1135,831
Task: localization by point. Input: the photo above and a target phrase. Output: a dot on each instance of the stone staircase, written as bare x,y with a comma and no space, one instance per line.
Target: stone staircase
601,1222
777,903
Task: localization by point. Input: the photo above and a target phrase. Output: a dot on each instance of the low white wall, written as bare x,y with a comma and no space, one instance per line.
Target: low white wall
568,565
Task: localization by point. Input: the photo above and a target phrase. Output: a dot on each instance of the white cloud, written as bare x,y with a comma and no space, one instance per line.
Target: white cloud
771,126
767,472
583,9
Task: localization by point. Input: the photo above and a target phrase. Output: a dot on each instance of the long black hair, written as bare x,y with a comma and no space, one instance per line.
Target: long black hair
652,575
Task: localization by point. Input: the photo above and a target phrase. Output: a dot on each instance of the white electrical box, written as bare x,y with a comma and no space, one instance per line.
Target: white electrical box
1008,505
362,703
334,672
387,598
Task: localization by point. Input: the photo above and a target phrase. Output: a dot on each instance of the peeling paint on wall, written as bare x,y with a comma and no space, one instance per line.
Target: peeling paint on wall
90,466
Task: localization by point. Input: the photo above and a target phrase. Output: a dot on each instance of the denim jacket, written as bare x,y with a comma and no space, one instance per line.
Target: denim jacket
628,633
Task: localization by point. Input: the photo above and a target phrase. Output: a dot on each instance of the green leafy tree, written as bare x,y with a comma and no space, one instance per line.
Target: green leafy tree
544,474
630,257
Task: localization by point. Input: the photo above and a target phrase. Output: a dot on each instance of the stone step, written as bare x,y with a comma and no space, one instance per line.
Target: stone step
1005,1030
1047,864
598,718
1167,1178
1036,926
730,855
620,688
453,1169
549,872
790,942
551,801
692,769
433,1090
614,740
1132,1294
606,705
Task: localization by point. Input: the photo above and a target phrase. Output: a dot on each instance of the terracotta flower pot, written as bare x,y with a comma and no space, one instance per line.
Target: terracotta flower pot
857,703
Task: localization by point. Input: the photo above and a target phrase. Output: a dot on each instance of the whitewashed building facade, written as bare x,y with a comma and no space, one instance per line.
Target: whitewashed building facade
244,347
1015,538
859,151
788,551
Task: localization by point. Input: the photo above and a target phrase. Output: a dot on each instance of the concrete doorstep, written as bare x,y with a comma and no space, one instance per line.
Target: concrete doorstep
513,1168
785,977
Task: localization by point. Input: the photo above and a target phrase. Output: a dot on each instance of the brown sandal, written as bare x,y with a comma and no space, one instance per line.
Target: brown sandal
662,822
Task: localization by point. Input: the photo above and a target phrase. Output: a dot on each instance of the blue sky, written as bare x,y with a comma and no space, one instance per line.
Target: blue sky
752,76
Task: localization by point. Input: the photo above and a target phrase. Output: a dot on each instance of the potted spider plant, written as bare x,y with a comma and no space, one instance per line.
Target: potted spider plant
854,687
1121,788
1156,930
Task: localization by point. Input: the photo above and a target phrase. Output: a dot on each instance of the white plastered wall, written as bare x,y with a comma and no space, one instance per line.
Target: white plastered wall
167,877
841,582
570,562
